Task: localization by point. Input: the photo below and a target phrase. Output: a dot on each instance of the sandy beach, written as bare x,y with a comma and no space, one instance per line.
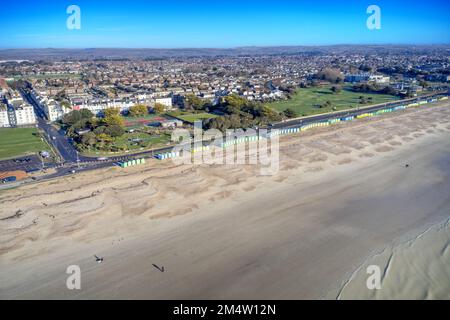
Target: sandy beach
342,199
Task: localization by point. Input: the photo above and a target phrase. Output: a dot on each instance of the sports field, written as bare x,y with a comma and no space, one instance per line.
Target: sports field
309,101
16,142
196,117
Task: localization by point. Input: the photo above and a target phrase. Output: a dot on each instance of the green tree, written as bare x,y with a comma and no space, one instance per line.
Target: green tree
270,114
114,130
89,139
289,113
75,116
71,118
86,114
103,140
100,129
336,89
423,84
235,100
194,102
330,75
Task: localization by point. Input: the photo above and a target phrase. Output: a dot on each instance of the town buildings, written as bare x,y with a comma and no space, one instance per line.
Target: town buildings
14,111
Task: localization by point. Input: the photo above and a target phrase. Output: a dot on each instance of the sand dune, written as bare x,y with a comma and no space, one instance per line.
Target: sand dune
341,196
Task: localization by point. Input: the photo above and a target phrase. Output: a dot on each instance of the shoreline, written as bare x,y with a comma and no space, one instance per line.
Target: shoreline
358,291
223,232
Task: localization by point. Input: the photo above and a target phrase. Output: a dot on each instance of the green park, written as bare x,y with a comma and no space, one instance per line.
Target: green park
15,142
316,100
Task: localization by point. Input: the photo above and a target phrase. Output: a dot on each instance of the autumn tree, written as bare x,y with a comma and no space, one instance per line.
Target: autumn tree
111,112
159,108
138,110
114,120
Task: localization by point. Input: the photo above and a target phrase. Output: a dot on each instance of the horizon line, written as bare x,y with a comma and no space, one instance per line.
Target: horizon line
229,48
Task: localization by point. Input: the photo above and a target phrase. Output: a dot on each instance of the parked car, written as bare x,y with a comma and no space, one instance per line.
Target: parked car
9,179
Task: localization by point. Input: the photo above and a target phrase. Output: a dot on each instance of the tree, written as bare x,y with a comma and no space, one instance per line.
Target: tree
159,108
100,129
111,112
89,139
330,75
103,139
327,104
289,113
114,130
389,90
365,68
235,101
86,114
77,115
336,89
270,114
194,102
71,117
138,110
114,120
423,84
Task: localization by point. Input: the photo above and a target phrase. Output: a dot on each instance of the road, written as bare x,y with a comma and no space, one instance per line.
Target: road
56,138
72,161
324,117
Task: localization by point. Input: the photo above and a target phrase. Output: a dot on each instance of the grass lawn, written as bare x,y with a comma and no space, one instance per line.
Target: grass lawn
191,117
306,101
15,142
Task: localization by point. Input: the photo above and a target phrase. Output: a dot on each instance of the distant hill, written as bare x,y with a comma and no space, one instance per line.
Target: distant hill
122,53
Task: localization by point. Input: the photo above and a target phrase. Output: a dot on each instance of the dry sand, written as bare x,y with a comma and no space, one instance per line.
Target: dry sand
342,197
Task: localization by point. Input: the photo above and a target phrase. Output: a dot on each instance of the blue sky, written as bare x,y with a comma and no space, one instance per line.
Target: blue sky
181,24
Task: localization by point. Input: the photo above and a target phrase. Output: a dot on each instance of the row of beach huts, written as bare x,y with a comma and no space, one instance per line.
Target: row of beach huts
279,132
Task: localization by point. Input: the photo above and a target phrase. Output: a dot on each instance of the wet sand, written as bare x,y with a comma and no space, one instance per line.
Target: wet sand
416,269
342,197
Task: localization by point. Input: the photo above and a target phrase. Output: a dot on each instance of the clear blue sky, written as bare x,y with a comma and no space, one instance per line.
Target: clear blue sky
227,23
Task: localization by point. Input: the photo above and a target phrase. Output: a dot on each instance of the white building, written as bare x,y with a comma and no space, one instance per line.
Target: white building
380,79
25,115
97,106
4,120
20,113
52,109
167,102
